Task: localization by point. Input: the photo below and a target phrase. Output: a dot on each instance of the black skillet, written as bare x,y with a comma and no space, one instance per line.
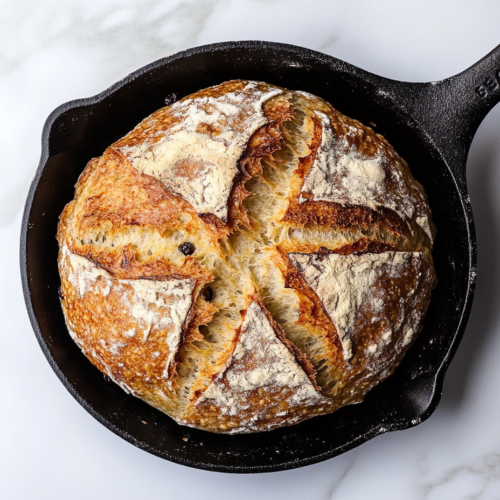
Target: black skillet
430,124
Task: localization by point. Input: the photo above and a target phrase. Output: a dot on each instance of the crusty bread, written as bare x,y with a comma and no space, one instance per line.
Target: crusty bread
246,258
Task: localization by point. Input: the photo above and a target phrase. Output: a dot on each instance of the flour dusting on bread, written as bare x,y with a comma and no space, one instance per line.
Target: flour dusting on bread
198,157
260,364
342,175
159,305
346,284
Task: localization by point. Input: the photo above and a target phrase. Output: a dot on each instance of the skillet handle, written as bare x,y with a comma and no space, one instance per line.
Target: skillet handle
451,110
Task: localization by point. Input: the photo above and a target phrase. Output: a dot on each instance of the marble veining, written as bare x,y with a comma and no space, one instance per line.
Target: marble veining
51,52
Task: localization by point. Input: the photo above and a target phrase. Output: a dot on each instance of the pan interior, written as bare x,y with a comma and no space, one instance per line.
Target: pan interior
83,131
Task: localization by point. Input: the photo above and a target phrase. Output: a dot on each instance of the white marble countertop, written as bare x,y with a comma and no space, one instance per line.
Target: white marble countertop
51,52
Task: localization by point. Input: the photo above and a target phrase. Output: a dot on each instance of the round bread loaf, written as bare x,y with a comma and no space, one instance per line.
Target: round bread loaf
246,258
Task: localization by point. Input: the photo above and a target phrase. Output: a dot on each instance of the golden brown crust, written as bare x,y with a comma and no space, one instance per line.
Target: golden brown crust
311,310
136,256
111,334
367,370
298,355
304,211
334,215
235,402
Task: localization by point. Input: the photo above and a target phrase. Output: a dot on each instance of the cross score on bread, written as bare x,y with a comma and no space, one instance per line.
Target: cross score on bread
246,258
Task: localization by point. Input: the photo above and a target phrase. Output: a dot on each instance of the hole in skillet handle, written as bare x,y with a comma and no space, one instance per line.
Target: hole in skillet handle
76,132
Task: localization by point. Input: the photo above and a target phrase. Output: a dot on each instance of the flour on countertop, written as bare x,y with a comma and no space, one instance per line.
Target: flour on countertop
163,305
198,157
340,174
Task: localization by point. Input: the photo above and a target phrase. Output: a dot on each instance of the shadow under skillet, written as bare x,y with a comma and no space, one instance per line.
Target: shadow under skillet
481,168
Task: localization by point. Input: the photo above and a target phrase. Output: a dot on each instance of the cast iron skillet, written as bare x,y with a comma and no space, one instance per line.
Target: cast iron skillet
430,124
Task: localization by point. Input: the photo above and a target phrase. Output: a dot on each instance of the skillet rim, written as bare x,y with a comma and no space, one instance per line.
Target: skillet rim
377,428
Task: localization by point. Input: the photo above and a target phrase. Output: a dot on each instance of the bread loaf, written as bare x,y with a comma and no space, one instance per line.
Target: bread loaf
246,258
